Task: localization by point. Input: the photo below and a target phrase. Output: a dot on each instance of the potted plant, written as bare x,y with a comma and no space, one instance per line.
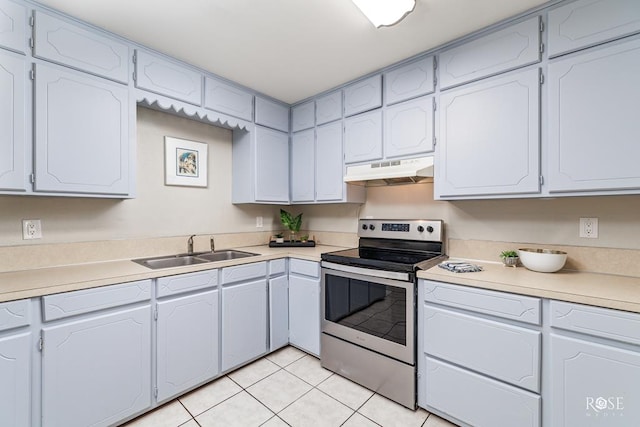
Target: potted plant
291,223
509,258
279,238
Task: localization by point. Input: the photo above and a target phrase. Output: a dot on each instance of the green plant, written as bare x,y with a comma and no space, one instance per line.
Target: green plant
280,235
508,254
290,222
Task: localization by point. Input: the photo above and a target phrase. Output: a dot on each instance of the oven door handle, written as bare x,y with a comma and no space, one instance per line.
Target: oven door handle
394,275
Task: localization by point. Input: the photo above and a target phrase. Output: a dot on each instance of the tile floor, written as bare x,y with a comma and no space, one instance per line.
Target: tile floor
285,388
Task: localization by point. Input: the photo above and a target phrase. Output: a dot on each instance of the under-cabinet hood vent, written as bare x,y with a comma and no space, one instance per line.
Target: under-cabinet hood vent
393,172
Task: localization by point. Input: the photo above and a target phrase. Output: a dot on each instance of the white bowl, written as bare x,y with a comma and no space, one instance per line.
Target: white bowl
542,260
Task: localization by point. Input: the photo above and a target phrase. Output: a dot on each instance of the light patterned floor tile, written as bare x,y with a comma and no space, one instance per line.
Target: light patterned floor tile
254,372
190,423
308,368
209,395
275,422
345,391
315,409
286,356
358,420
390,414
241,410
436,421
279,390
170,415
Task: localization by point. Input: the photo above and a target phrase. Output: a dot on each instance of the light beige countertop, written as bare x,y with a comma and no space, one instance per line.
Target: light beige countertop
16,285
603,290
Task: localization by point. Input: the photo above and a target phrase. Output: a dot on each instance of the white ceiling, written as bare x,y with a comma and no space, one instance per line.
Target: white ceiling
288,49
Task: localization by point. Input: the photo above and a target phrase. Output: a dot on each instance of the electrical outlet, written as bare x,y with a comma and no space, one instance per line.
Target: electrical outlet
259,222
589,228
31,229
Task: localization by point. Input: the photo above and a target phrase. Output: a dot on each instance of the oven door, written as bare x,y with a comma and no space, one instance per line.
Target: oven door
376,313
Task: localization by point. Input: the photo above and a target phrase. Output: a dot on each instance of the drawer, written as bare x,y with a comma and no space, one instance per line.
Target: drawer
500,304
305,268
278,266
14,314
477,400
85,301
505,352
596,321
168,78
244,272
172,285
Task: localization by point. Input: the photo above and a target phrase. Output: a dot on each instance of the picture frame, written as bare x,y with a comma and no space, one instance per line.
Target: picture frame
185,162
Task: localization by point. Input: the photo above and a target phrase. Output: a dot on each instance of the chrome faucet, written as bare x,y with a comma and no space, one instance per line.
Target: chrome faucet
190,245
213,245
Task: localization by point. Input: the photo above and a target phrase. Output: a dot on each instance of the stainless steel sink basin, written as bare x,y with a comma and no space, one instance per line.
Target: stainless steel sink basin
186,259
225,255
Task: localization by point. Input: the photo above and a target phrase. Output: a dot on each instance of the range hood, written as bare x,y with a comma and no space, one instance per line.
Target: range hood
391,172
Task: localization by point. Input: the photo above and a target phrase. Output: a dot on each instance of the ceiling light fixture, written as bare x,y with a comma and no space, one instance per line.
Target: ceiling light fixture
384,13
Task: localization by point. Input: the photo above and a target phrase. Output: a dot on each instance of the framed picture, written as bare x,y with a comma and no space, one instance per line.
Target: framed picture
185,162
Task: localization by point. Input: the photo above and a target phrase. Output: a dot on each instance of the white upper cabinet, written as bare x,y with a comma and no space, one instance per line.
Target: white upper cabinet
271,114
13,23
587,22
272,172
489,137
409,81
363,95
87,50
227,99
512,47
408,128
168,78
303,116
329,108
594,131
329,162
13,143
302,166
363,137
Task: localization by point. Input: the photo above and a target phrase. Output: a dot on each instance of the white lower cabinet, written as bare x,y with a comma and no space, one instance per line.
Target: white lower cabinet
304,305
278,312
15,386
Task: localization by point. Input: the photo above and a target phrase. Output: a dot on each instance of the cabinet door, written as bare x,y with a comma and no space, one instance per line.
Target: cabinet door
363,137
271,114
168,78
81,133
490,138
13,24
329,162
278,312
187,343
272,166
15,387
244,323
362,96
408,128
588,22
97,371
303,166
595,146
304,313
13,83
593,383
329,108
303,116
228,99
409,81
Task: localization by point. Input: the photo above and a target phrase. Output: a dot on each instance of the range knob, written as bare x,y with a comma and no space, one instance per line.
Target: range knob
420,228
430,229
364,226
372,227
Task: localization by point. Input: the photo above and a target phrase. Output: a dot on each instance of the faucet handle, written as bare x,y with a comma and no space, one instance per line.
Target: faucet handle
190,244
213,245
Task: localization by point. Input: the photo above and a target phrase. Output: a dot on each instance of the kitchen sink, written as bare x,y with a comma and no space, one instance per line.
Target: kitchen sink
225,255
191,259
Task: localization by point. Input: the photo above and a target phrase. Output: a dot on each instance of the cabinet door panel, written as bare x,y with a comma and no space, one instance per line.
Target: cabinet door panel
13,83
304,267
272,114
408,128
329,108
303,116
304,313
81,133
228,99
77,47
187,342
97,371
592,383
587,22
500,51
363,137
168,78
15,387
490,137
13,24
278,312
409,81
329,162
14,314
595,147
363,96
272,183
303,166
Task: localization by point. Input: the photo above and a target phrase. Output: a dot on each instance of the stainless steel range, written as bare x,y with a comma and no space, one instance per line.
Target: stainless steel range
369,304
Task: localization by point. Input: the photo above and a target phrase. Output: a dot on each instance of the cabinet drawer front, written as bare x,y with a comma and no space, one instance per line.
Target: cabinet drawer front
244,272
505,352
477,400
72,303
329,108
13,24
86,50
303,116
305,268
503,50
277,266
500,304
596,321
228,99
272,114
363,96
14,314
409,81
587,22
172,285
168,78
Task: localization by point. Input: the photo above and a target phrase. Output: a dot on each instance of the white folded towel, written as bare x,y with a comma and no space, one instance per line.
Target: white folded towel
460,267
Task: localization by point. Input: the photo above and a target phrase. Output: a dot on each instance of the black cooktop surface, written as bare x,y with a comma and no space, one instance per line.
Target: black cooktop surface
380,259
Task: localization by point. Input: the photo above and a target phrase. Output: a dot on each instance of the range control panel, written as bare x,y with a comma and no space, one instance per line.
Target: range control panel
415,229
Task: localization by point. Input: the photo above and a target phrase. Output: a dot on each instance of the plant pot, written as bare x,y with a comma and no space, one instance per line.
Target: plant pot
511,261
